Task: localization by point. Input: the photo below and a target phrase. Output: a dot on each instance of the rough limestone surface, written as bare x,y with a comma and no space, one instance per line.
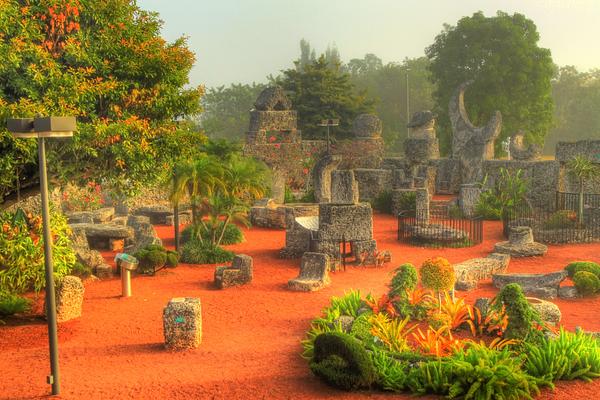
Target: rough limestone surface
240,272
422,206
529,282
520,152
469,272
156,213
80,217
568,292
322,177
548,293
298,236
104,231
344,189
549,312
184,219
86,256
69,298
471,145
273,99
349,221
144,233
313,273
182,323
345,322
435,232
419,150
468,198
399,197
367,126
103,215
483,304
520,243
103,271
372,182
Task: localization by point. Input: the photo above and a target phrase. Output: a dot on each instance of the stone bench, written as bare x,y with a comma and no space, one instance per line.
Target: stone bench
239,273
158,214
313,273
537,285
105,236
469,272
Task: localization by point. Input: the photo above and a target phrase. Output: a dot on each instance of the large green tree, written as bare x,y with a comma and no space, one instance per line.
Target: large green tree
105,63
387,86
577,99
227,110
511,73
322,90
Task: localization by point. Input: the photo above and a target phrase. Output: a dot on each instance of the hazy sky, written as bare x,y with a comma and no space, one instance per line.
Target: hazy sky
245,40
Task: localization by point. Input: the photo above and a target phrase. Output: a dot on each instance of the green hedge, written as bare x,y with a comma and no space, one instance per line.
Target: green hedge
196,252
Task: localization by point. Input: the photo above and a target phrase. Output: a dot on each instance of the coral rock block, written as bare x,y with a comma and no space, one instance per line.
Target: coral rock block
182,323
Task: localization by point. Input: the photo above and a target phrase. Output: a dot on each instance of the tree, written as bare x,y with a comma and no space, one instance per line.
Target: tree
583,169
511,73
386,85
320,91
577,99
105,63
227,110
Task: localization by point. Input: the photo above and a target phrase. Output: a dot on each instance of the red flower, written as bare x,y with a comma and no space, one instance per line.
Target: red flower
272,139
305,171
277,145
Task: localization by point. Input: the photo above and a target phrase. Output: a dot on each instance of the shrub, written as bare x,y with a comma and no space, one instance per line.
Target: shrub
12,304
405,279
586,283
87,198
151,258
561,219
342,361
476,373
349,304
361,328
407,201
383,202
288,196
569,356
233,234
438,320
172,259
521,316
391,332
437,274
22,250
81,270
587,266
308,197
489,206
196,252
391,373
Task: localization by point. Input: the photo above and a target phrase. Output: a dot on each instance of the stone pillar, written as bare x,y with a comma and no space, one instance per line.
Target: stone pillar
278,186
344,189
182,323
69,298
422,202
322,177
468,198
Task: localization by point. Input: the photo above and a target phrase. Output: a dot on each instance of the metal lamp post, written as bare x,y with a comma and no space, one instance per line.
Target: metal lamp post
42,128
328,123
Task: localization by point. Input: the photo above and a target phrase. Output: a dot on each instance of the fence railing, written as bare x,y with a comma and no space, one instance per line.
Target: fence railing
439,229
560,223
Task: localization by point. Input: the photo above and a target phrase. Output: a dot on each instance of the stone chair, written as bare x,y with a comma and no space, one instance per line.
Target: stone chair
239,273
520,244
313,273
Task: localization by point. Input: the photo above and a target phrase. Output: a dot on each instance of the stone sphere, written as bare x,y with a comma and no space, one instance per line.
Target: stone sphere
367,126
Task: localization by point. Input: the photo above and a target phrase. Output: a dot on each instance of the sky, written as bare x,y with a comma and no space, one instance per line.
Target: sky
246,40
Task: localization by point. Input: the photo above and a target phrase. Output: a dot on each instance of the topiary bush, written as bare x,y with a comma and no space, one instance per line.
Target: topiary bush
342,361
587,283
437,274
233,234
405,278
391,373
521,316
153,257
361,328
587,266
196,252
407,201
561,219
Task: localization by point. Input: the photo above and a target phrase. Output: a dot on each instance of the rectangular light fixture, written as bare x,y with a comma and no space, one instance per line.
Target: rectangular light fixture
45,127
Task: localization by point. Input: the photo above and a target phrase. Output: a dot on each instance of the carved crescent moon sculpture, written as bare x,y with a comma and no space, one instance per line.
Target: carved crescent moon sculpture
469,141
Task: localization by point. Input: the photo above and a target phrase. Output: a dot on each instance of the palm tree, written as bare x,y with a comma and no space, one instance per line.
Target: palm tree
583,169
246,178
195,179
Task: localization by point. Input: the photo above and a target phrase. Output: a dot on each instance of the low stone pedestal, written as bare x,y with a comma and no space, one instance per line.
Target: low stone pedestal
69,298
184,219
182,323
520,244
103,271
469,273
313,273
239,273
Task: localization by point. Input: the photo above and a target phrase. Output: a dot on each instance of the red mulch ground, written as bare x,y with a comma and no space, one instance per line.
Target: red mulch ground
251,334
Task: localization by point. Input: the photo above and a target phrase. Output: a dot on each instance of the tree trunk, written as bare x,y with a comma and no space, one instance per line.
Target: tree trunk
581,203
225,223
176,226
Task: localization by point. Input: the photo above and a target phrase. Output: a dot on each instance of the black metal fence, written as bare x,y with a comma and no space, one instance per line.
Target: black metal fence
438,229
559,222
